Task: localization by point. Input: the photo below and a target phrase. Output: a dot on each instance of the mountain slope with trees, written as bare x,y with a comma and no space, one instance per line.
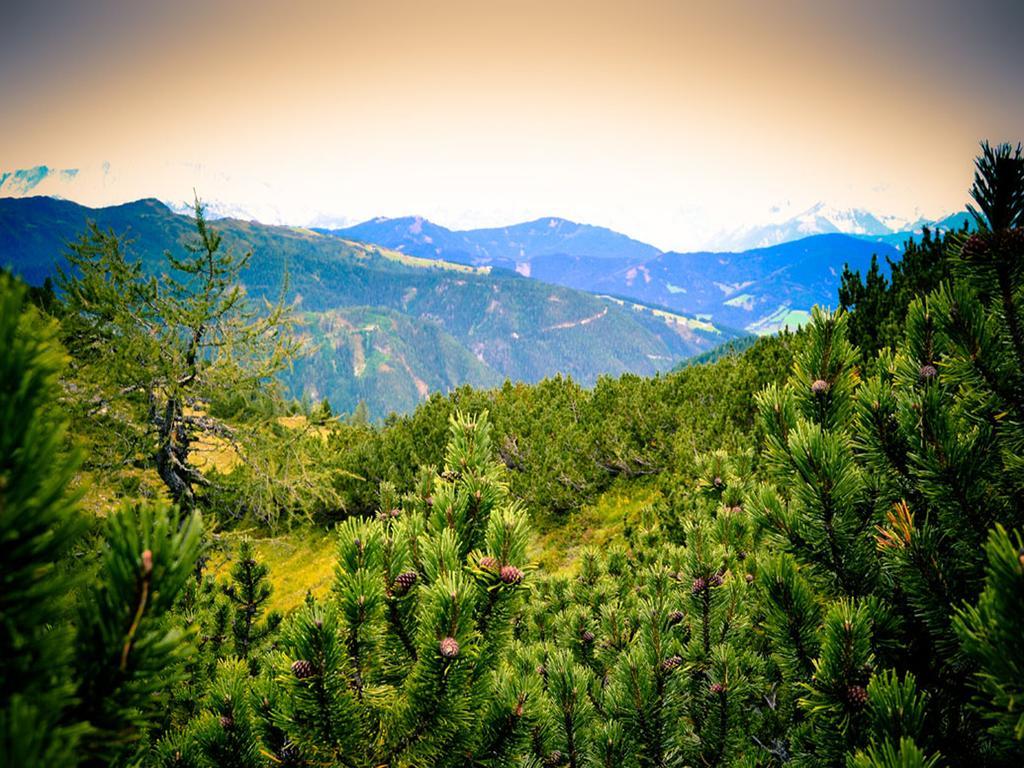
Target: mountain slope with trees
754,289
514,328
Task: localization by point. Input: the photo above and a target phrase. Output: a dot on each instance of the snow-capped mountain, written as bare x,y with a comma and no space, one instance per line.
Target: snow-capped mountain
57,182
218,209
819,219
102,185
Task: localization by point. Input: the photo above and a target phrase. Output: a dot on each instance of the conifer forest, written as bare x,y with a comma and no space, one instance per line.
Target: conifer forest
803,550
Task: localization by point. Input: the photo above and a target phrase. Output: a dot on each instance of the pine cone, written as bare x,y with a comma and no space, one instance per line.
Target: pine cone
857,696
717,688
303,669
671,663
715,580
587,636
820,387
675,617
976,248
404,582
511,575
927,373
699,585
555,759
488,563
227,722
750,578
289,754
717,482
449,648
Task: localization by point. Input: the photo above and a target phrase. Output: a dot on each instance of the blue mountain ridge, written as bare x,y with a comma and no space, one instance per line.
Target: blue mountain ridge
382,327
757,290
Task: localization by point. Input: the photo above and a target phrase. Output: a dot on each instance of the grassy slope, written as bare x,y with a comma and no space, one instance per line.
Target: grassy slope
300,561
303,559
556,548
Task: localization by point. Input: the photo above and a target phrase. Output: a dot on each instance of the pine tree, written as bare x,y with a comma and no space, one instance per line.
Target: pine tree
873,300
877,307
225,733
84,676
887,755
948,440
39,523
249,592
886,480
407,661
128,655
828,507
992,634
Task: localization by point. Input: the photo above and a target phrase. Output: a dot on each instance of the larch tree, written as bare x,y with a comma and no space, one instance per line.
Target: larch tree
162,346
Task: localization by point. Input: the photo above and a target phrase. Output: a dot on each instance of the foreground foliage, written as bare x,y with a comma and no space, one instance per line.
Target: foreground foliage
846,589
81,680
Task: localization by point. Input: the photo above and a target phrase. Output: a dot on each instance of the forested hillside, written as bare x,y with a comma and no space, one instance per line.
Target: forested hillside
481,326
760,290
805,551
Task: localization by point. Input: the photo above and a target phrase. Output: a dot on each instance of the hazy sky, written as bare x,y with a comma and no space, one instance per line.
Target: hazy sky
666,120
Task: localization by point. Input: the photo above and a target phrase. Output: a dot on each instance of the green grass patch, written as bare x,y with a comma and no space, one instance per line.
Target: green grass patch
781,318
301,560
556,545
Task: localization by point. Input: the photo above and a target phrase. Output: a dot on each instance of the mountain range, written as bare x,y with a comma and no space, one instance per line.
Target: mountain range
823,219
396,308
101,184
759,290
819,219
385,326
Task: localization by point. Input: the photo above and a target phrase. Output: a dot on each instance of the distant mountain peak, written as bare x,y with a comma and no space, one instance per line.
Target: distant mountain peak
513,247
819,219
22,182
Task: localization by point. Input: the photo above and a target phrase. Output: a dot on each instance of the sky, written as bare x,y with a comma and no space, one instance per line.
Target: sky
669,121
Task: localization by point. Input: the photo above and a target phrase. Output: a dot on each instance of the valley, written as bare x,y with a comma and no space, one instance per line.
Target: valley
393,310
383,326
757,290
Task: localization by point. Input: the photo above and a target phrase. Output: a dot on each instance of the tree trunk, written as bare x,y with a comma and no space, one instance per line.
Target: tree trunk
172,456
